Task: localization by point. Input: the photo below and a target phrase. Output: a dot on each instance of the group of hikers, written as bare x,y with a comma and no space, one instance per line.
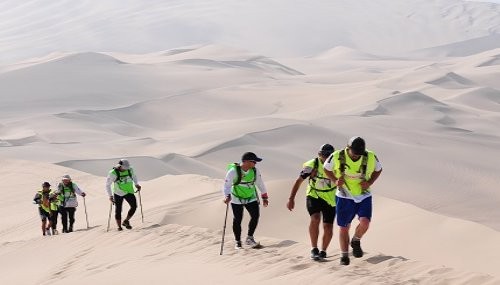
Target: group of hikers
339,186
120,185
54,202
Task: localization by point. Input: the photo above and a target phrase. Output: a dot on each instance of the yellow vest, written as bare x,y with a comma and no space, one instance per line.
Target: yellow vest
352,172
320,186
45,203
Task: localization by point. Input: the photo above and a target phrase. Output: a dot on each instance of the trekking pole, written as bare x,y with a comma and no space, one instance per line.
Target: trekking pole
140,203
109,217
224,230
86,216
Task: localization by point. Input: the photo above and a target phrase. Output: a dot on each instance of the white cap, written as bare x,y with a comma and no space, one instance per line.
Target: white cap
124,164
66,177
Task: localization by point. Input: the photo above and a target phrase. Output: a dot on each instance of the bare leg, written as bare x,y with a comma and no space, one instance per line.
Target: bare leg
344,238
363,226
314,229
327,235
44,226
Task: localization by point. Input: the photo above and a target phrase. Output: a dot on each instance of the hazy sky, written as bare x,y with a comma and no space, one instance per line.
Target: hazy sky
271,27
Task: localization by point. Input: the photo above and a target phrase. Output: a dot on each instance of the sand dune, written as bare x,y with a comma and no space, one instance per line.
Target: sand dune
182,229
404,103
465,48
452,81
182,89
281,262
485,98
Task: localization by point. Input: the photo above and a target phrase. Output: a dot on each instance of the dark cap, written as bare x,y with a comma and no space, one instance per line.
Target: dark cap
326,149
357,145
250,156
45,184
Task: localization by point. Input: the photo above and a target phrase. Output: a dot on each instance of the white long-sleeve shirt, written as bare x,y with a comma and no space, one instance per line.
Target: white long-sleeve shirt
75,188
228,184
110,180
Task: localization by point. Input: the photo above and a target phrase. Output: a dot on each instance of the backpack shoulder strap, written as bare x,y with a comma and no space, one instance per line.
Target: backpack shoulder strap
238,174
117,174
342,161
364,163
314,171
254,174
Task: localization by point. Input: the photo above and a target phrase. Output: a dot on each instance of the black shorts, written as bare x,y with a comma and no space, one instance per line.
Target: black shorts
315,205
43,215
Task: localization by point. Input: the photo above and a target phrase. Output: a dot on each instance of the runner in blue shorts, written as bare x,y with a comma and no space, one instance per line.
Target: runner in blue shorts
354,169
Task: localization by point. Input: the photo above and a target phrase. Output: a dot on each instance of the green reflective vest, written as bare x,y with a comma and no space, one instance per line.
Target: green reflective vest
123,180
319,185
353,170
243,183
45,202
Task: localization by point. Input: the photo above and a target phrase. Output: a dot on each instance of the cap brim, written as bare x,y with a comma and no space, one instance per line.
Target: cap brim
258,159
358,151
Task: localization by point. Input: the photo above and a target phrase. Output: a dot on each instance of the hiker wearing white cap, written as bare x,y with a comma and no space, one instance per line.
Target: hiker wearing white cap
240,189
120,186
67,191
320,200
354,169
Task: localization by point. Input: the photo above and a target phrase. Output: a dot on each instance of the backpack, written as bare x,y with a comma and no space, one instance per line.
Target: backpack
314,170
364,163
117,174
312,177
71,201
239,174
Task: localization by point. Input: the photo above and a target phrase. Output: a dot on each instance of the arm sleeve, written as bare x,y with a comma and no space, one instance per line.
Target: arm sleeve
378,165
77,189
109,181
260,183
37,198
134,177
306,172
329,163
228,182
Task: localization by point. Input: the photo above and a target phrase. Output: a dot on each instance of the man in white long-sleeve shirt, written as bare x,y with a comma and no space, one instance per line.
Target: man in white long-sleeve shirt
240,189
66,191
123,179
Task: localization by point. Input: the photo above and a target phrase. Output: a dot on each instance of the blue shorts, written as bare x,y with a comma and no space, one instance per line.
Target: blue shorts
347,209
